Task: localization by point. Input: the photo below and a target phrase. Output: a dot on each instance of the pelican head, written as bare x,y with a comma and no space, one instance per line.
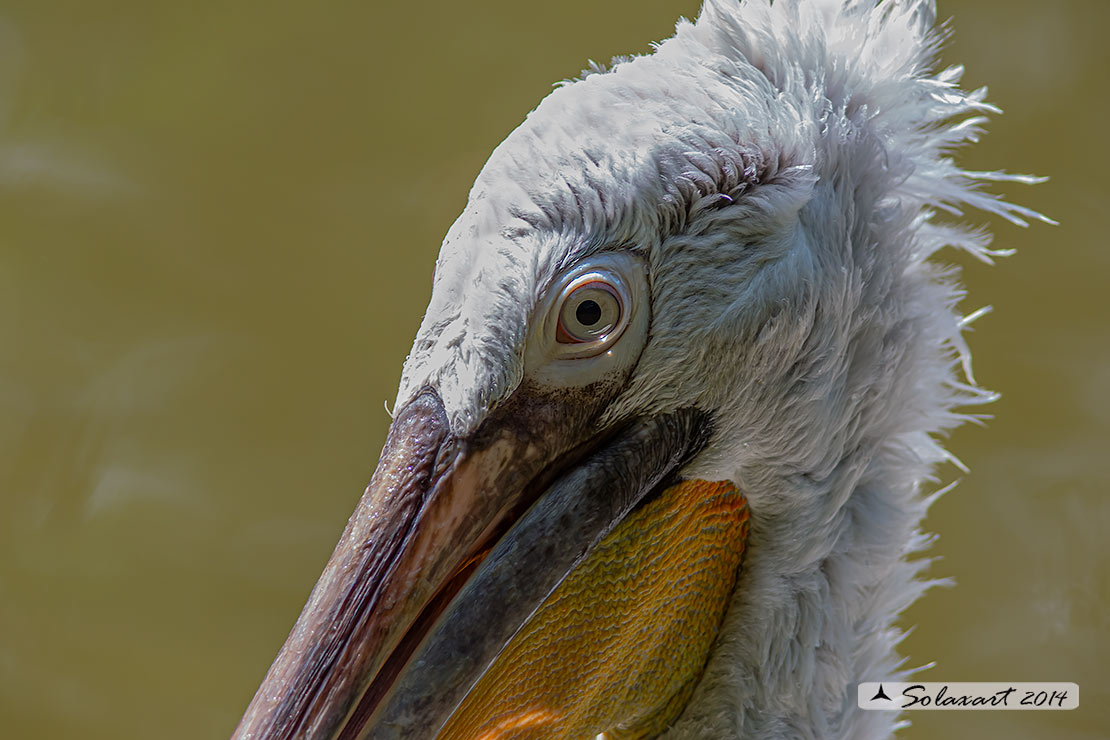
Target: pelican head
657,458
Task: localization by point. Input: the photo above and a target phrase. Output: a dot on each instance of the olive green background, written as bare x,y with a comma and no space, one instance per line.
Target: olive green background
218,222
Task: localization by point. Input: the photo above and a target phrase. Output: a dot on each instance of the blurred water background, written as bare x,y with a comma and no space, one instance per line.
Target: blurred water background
219,225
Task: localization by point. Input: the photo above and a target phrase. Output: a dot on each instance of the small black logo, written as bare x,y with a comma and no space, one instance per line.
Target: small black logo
881,695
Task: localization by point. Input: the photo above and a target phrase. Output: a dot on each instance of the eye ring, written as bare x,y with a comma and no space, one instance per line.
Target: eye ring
591,313
605,347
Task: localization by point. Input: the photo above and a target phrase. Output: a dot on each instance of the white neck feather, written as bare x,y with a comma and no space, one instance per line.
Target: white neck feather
835,480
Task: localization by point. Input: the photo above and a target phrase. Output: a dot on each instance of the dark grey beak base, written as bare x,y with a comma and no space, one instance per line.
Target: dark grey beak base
528,563
408,614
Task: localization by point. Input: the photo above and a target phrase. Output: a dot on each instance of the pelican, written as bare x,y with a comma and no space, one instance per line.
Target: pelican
664,440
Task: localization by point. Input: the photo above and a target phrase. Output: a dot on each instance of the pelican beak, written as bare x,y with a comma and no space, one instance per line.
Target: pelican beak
453,547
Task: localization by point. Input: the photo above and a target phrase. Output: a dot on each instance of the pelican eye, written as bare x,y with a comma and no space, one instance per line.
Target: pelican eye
590,311
591,322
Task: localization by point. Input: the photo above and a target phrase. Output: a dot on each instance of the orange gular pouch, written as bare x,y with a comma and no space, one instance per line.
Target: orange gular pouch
619,645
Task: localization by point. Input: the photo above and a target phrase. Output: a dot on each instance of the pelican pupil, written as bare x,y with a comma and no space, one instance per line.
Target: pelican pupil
588,313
